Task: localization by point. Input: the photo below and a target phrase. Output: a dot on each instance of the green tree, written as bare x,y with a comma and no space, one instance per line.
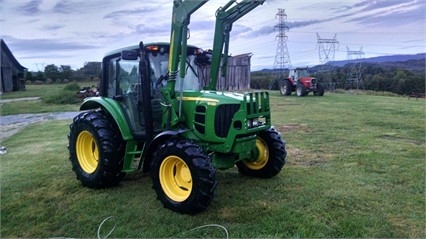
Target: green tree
66,72
51,71
29,76
92,69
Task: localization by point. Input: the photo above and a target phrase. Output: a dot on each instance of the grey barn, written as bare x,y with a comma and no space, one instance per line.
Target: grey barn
11,72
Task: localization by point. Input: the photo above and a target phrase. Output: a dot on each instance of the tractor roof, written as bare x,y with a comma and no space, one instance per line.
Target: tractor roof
136,47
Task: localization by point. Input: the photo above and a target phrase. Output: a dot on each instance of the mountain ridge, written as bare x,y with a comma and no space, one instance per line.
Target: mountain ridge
378,59
382,59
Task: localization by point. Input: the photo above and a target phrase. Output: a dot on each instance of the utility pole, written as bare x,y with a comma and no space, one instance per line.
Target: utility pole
282,56
326,52
354,78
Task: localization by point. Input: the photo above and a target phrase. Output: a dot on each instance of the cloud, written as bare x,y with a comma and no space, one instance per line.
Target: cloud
390,13
39,45
305,23
52,27
201,25
65,7
31,8
116,15
150,29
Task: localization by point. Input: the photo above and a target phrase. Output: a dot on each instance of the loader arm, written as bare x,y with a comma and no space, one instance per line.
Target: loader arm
225,17
182,10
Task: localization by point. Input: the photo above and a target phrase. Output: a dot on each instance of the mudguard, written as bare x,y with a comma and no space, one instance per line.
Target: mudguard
160,138
113,108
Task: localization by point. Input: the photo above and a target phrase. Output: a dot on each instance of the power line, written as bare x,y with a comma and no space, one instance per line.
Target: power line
282,56
326,51
354,78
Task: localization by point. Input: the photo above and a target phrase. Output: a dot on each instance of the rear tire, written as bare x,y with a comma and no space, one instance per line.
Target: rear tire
96,150
183,177
271,157
285,87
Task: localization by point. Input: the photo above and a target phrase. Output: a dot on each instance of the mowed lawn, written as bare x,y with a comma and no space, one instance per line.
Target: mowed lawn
355,168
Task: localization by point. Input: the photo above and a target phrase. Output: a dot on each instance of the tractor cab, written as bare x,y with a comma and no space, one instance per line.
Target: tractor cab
122,81
298,73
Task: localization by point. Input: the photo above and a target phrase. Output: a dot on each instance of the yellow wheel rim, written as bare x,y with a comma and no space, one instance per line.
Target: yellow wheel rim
263,156
175,178
87,152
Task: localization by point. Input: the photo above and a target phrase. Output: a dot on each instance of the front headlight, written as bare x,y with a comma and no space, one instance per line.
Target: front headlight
252,123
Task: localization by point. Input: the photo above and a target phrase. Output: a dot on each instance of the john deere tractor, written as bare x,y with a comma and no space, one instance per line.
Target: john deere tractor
151,116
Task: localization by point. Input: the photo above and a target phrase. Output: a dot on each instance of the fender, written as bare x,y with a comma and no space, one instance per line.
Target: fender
160,138
113,108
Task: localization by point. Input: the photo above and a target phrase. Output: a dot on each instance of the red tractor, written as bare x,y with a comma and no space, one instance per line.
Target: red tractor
300,81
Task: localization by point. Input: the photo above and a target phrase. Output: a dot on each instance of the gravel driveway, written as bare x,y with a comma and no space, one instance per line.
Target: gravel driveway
11,124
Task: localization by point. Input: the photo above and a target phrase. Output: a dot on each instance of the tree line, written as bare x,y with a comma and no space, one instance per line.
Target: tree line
64,73
402,78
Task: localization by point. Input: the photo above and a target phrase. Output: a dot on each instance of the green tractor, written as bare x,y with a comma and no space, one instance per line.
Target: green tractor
152,117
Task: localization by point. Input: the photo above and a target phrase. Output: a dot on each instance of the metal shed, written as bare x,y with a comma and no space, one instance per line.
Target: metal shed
238,74
11,72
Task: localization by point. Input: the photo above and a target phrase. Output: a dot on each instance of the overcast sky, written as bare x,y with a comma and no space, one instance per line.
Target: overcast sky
72,32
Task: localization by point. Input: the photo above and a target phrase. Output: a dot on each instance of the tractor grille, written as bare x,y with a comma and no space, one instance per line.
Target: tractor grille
200,119
314,83
257,104
223,118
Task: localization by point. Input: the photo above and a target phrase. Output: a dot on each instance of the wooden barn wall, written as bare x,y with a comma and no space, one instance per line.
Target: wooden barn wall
11,78
6,73
238,74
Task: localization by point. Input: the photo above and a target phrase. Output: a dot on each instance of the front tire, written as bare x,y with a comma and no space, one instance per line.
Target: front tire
320,90
271,156
96,150
301,90
183,177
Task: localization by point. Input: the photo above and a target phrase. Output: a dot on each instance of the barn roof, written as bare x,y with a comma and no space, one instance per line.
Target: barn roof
12,58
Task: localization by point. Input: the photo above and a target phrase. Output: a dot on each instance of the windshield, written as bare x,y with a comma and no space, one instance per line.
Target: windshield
303,73
159,66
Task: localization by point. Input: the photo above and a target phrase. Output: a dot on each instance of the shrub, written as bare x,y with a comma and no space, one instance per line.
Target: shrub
63,97
38,82
49,81
72,87
28,82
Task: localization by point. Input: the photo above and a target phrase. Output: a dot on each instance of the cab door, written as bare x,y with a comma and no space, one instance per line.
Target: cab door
129,94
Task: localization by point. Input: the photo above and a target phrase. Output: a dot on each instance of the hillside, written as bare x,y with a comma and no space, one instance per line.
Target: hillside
404,75
384,59
414,63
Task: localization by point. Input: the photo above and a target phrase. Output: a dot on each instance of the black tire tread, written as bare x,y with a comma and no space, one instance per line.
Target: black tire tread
277,155
202,171
111,149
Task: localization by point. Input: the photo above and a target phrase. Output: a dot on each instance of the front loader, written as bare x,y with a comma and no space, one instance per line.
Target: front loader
152,116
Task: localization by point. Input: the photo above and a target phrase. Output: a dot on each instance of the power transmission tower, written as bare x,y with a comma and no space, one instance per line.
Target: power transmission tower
282,57
326,52
354,78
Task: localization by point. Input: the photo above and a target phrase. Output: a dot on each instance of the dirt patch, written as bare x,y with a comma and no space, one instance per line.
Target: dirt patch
393,137
305,158
293,127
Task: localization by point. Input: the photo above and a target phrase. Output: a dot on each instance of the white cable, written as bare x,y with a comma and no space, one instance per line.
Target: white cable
213,225
100,226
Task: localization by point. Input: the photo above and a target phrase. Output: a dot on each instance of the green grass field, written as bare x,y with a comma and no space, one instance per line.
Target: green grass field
37,106
355,168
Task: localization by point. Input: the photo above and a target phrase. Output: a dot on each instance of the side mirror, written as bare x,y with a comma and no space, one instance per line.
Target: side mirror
129,55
